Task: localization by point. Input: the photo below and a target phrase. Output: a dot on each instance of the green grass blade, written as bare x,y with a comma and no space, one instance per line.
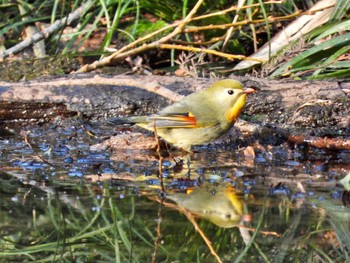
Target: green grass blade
341,9
345,73
122,9
267,24
80,32
137,18
332,58
252,240
343,26
315,53
15,25
54,11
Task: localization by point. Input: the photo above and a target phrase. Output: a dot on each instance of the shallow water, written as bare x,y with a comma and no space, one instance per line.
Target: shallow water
61,201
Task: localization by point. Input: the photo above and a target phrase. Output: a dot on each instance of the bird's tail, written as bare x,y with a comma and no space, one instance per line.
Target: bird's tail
122,121
118,121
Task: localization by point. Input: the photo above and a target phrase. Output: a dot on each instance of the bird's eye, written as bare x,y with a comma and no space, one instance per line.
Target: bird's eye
230,92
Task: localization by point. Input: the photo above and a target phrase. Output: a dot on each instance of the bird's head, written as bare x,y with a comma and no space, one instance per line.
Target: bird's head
229,97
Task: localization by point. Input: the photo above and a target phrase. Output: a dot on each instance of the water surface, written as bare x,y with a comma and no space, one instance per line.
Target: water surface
62,201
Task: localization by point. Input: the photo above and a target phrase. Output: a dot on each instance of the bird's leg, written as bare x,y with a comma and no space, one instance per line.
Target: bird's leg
188,162
186,159
160,168
181,161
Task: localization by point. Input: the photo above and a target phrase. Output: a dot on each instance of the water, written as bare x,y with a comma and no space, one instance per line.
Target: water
61,201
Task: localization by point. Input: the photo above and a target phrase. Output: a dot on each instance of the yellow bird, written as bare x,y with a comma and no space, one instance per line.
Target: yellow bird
200,117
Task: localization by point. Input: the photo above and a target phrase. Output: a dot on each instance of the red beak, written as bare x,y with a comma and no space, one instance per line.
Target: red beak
249,90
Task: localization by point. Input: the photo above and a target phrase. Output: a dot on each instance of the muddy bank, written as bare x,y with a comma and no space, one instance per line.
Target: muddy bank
96,94
279,109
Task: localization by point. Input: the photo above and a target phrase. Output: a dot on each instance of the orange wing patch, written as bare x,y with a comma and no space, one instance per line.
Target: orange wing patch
175,120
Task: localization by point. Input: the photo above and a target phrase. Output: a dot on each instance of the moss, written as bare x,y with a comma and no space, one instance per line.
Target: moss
28,69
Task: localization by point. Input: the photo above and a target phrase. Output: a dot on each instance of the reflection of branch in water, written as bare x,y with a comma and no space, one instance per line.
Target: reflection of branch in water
160,171
190,217
156,241
244,230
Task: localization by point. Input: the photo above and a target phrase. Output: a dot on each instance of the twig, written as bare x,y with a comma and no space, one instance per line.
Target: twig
132,49
198,43
219,13
241,23
233,8
271,19
208,51
266,233
48,31
222,12
230,30
119,55
179,27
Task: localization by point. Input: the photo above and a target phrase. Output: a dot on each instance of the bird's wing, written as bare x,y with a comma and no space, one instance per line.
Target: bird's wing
173,120
184,114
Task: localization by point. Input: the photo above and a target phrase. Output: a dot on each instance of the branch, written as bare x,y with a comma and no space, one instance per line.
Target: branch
321,143
119,55
245,22
208,51
136,48
234,8
222,12
48,31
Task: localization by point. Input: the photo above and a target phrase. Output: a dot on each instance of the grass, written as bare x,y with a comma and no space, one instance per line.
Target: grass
125,21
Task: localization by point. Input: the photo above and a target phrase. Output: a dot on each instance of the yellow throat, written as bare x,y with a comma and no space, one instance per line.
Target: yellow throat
236,108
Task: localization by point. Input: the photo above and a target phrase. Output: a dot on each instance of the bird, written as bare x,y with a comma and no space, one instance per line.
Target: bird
200,117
